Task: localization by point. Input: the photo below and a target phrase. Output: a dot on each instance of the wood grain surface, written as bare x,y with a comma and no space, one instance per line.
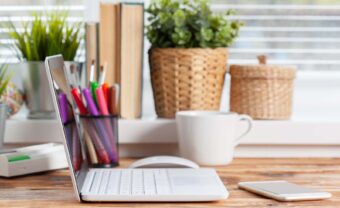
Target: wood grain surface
54,189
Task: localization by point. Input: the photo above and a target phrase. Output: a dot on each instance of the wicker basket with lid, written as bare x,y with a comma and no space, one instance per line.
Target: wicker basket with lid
262,91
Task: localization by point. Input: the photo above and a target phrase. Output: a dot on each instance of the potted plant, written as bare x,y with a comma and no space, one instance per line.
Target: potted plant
40,38
188,54
4,80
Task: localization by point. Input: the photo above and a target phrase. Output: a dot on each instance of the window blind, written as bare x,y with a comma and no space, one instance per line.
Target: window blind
18,11
300,32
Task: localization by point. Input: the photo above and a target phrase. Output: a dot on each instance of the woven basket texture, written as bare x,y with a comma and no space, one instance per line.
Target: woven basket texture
262,91
187,79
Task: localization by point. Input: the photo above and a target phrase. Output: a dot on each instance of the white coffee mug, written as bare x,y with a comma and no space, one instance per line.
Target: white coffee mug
209,137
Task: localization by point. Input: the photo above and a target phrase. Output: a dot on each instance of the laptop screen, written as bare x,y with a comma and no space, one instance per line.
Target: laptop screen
58,75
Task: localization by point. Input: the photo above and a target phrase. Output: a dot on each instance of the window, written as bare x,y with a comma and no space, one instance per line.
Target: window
21,10
305,33
300,32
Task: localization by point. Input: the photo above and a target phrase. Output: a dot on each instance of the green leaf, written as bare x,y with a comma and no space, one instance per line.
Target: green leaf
4,78
179,18
189,23
44,38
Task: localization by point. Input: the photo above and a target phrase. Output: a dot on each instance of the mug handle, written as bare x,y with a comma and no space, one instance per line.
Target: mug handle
249,120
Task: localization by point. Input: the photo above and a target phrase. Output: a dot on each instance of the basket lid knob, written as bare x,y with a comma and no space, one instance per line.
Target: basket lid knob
262,59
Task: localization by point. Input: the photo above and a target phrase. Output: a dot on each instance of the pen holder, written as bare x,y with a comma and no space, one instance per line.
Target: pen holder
73,144
101,139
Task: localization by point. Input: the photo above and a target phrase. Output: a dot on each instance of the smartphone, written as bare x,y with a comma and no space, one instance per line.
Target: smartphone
283,190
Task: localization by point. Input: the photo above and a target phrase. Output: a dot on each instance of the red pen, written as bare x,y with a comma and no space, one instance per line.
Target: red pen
101,101
77,98
105,87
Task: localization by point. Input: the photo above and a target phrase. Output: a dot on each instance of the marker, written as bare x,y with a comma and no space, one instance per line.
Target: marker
94,86
99,125
79,102
76,155
100,149
90,148
62,102
101,101
105,87
106,121
91,106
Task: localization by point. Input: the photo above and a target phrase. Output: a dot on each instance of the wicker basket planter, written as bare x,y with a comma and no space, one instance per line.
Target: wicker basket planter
187,79
262,91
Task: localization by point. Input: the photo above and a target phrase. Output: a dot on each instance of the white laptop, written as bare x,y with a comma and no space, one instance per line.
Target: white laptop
115,184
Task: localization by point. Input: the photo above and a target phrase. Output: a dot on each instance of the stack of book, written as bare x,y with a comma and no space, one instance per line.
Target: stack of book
121,35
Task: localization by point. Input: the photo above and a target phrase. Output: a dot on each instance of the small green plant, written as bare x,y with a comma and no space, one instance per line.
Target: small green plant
189,24
4,79
42,38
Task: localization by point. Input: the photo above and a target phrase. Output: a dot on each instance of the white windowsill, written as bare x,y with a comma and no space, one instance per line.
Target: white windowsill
313,130
164,131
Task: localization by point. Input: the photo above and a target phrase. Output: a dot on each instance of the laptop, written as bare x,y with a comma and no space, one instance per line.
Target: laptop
126,185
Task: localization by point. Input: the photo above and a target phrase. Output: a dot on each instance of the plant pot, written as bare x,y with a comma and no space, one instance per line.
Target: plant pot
187,79
3,116
36,89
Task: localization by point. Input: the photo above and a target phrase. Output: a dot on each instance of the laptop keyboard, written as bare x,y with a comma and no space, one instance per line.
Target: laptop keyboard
128,182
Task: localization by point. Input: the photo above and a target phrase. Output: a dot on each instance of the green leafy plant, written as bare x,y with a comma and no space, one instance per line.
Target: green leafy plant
4,79
189,24
42,38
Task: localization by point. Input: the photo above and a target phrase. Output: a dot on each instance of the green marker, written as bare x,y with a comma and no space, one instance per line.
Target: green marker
94,86
15,158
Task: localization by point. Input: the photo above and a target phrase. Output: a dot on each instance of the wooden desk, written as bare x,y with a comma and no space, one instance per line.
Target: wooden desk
54,189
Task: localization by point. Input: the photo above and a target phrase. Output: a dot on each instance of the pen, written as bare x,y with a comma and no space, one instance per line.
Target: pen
74,73
72,77
70,114
112,100
76,155
99,125
91,79
91,106
106,121
91,149
102,74
77,99
94,86
105,87
100,149
101,101
62,101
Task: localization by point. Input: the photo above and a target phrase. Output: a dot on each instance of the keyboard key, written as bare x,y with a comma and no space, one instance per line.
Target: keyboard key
88,182
137,182
96,182
104,182
125,182
113,183
162,182
149,182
